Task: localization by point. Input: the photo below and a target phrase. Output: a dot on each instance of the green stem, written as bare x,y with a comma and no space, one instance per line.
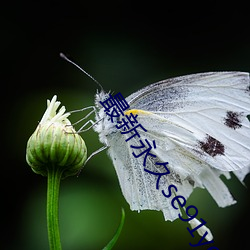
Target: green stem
54,177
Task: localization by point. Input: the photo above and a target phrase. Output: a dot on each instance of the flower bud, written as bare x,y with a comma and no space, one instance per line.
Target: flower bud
55,144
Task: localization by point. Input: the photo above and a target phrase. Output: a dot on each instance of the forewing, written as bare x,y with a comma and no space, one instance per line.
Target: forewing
212,107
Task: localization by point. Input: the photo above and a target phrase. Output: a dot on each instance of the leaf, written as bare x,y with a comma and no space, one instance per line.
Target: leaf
110,245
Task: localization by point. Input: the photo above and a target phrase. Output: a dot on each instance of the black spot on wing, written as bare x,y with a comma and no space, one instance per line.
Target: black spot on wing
233,119
212,146
191,181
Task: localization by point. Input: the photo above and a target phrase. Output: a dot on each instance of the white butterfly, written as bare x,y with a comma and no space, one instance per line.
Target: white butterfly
200,127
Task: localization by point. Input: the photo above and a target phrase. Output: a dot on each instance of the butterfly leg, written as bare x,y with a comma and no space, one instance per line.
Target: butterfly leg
81,129
92,154
86,116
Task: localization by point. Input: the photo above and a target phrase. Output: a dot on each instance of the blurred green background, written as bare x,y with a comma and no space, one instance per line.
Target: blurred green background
125,47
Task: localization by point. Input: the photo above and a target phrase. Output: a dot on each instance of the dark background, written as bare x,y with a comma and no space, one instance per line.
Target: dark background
125,45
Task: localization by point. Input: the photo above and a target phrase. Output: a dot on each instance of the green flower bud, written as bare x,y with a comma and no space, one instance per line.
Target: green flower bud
55,144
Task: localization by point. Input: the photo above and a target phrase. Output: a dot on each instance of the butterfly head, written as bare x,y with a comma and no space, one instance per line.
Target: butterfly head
104,126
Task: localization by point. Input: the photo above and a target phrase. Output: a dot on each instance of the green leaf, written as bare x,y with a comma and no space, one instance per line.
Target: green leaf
117,234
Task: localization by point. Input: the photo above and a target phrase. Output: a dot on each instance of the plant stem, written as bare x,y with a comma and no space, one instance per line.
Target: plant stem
54,177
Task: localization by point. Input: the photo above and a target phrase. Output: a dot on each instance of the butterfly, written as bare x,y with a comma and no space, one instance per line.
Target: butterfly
199,126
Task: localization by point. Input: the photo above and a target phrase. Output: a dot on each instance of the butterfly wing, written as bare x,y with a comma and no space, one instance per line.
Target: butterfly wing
213,107
138,186
199,125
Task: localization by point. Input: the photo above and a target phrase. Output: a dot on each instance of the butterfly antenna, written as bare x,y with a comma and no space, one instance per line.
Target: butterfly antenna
86,73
